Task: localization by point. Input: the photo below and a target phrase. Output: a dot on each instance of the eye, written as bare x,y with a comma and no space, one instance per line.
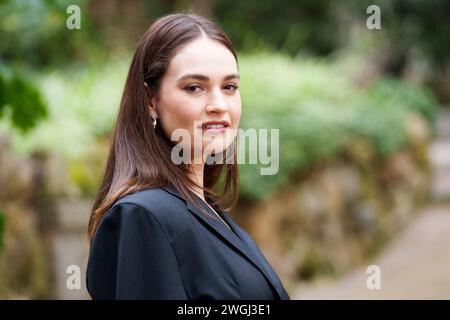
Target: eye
231,87
193,88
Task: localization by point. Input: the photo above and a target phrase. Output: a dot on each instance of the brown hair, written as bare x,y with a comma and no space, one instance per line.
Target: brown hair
139,156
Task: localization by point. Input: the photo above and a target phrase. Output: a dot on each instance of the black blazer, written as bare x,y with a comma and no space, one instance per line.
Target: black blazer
153,244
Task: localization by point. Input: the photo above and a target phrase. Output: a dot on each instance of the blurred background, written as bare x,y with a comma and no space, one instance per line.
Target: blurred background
364,119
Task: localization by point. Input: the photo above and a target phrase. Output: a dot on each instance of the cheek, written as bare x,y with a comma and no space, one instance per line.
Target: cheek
235,112
179,112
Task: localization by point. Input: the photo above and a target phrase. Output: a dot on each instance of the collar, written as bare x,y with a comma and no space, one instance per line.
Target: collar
239,240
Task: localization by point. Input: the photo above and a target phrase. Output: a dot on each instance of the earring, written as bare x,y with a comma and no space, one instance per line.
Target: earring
154,122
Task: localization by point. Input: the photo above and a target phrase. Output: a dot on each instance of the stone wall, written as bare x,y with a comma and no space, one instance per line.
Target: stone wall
45,226
24,266
338,213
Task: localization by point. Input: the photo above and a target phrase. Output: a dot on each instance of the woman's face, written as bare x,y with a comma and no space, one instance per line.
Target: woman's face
200,86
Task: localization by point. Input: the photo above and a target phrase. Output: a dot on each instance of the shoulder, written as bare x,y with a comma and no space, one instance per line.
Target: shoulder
156,204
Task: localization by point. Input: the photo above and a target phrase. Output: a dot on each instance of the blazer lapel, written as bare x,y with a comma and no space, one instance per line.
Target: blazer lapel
237,239
270,273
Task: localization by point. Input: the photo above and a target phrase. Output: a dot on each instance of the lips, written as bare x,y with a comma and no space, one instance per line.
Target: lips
215,126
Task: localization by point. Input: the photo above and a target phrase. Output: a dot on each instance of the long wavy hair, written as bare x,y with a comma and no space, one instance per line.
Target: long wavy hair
140,156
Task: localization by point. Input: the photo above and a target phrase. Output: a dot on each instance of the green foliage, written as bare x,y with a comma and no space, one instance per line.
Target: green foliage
413,97
410,25
21,98
318,109
35,33
82,105
289,27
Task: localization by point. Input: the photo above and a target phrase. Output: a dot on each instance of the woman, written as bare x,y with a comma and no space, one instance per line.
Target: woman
158,230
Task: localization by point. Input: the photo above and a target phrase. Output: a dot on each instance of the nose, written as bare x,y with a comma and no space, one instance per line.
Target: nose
217,103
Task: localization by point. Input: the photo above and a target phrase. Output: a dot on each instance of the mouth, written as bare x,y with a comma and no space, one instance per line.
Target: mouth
215,126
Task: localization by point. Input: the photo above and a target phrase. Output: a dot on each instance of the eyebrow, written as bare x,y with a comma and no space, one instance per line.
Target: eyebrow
205,78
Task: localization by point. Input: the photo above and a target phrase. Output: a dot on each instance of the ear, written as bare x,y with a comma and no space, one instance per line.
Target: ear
152,105
147,90
153,112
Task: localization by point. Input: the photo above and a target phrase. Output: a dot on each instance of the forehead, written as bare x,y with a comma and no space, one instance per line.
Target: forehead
203,56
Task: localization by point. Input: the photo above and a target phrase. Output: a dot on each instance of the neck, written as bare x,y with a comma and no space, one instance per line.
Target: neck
196,175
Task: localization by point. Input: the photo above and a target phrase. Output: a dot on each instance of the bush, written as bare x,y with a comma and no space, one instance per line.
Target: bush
317,109
20,101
